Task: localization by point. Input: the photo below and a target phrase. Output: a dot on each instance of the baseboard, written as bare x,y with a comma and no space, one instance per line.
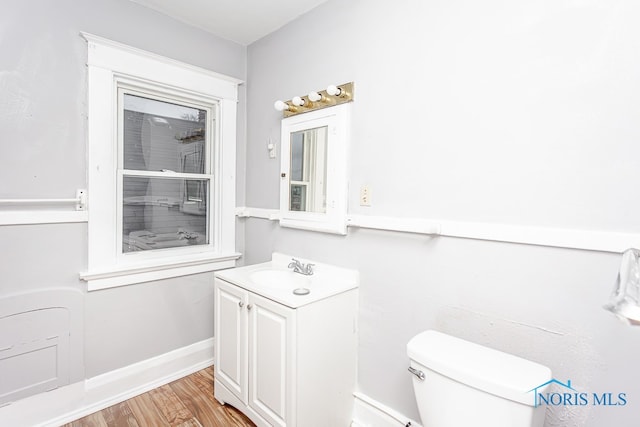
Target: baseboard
368,412
66,404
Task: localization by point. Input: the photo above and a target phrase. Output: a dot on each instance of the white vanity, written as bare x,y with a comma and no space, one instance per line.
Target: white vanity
282,358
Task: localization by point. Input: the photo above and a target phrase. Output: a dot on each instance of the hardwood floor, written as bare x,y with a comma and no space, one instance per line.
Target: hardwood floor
187,402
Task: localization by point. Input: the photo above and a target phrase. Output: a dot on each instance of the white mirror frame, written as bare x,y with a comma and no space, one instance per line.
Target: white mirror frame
334,220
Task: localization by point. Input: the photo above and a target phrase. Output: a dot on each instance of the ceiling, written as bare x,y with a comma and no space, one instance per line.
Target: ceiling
241,21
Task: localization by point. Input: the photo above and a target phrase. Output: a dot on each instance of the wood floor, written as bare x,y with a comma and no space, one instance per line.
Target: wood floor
187,402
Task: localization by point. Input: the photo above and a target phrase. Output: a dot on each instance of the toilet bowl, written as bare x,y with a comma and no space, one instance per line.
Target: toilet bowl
459,383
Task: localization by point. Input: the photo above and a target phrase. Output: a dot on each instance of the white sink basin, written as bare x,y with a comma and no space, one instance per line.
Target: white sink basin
281,279
274,281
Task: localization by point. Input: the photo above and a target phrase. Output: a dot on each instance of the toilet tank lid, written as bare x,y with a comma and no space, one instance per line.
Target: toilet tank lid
484,368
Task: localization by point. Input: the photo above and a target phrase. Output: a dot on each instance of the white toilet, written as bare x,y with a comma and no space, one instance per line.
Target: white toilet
459,383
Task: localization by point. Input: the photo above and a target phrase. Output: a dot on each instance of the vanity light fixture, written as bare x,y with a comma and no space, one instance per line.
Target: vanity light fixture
283,106
334,90
296,100
334,95
314,97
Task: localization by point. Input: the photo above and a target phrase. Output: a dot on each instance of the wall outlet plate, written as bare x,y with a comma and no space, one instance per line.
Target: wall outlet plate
365,196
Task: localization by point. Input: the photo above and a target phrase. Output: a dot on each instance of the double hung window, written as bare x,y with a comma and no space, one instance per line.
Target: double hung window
165,172
161,142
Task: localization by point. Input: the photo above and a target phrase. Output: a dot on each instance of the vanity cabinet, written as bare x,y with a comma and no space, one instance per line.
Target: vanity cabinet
282,365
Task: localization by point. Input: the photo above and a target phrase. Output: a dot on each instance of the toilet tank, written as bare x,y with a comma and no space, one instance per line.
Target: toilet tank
466,384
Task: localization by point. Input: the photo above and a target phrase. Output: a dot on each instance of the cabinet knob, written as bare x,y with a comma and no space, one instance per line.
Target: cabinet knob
250,306
241,304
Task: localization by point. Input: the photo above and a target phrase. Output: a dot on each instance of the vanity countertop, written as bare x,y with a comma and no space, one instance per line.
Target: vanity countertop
273,280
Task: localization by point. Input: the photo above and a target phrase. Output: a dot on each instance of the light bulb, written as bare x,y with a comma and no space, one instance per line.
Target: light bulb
280,105
314,96
334,90
297,101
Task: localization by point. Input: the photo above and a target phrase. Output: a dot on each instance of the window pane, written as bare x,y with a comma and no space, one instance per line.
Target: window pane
297,156
159,213
160,135
298,198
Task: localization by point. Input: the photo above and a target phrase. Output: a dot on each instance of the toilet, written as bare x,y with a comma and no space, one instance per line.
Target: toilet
459,383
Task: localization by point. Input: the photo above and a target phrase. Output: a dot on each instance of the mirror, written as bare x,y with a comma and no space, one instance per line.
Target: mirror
313,184
308,170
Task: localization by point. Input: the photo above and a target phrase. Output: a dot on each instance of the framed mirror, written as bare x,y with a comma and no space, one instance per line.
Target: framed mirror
313,187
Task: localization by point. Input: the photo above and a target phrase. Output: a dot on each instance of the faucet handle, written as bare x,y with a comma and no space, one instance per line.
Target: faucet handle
309,269
295,264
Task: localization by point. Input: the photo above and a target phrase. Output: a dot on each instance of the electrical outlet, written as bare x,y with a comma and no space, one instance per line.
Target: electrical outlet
365,196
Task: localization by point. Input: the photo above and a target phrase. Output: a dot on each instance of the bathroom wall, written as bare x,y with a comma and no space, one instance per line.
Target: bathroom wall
43,155
518,113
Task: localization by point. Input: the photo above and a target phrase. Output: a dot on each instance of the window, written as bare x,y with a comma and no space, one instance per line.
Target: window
163,175
161,143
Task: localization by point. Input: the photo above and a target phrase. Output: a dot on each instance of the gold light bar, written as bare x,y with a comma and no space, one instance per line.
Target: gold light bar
333,95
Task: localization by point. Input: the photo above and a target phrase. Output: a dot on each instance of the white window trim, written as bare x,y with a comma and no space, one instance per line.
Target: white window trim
109,62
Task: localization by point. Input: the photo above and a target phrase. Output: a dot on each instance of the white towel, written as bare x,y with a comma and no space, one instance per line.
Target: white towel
625,299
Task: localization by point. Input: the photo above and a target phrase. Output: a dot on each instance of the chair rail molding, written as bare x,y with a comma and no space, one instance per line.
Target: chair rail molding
592,240
24,217
24,211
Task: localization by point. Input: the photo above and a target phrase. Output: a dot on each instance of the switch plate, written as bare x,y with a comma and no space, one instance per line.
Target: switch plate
271,147
365,196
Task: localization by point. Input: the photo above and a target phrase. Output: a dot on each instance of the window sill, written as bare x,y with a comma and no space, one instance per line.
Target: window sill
157,270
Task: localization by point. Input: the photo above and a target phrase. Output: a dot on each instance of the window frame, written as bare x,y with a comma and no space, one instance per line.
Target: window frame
114,68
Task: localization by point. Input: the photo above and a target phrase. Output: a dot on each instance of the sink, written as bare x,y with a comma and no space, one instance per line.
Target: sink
274,281
280,279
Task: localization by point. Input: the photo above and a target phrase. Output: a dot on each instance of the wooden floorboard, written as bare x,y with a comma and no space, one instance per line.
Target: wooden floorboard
187,402
170,405
195,400
120,415
146,412
93,420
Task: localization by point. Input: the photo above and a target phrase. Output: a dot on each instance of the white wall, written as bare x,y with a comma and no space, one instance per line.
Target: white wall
508,112
43,155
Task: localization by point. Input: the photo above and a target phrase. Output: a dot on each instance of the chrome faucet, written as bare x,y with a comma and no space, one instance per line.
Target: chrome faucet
298,267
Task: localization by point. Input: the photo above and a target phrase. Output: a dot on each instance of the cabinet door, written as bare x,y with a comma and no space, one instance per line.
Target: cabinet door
271,357
231,337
